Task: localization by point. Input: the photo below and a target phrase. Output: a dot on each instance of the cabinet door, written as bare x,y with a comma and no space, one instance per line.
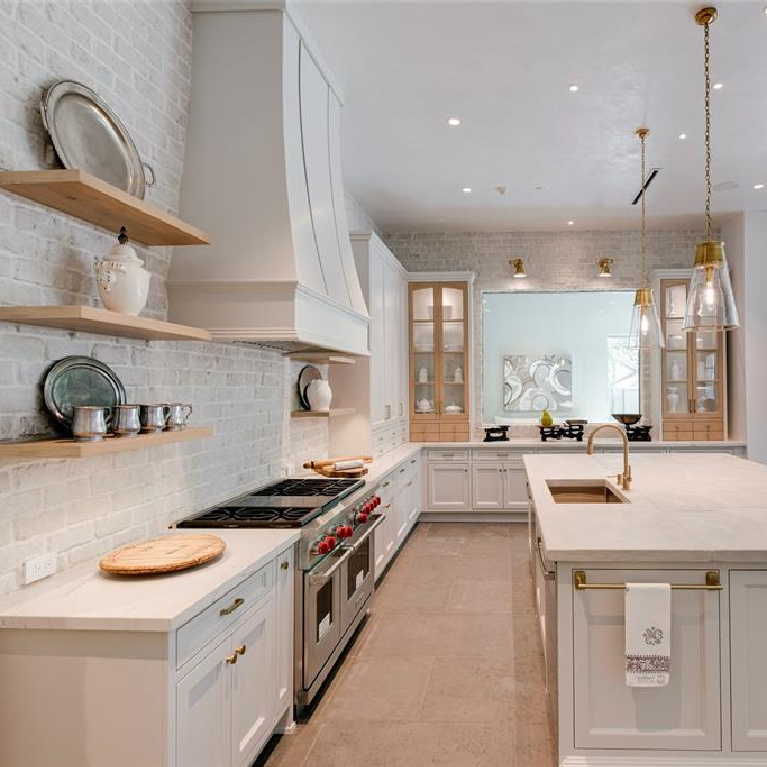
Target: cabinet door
515,487
284,607
203,712
385,532
253,685
487,481
377,350
748,629
423,352
391,370
449,487
684,715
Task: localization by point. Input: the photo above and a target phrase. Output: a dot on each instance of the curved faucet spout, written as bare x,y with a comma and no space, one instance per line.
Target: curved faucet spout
625,477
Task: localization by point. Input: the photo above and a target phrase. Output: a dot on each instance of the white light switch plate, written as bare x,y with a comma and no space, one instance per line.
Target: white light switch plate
36,568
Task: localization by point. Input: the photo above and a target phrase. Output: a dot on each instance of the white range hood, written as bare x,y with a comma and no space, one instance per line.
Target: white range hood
262,174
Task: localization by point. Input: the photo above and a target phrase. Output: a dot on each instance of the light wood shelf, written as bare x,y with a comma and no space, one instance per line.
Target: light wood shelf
68,448
92,319
89,198
332,413
322,358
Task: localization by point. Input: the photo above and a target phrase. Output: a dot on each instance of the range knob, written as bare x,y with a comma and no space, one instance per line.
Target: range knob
322,547
330,540
362,518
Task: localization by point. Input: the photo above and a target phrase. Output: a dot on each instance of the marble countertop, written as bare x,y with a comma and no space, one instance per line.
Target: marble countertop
85,598
683,507
601,442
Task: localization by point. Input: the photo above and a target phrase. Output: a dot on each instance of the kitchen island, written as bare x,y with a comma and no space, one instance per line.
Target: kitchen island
693,520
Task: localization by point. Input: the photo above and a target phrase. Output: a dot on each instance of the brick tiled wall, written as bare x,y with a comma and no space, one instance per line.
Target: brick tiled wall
137,57
553,261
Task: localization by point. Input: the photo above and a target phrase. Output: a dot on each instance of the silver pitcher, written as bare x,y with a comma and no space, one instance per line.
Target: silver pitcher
125,420
89,424
176,416
152,418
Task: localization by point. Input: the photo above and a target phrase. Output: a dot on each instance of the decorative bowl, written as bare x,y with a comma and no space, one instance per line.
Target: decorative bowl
627,419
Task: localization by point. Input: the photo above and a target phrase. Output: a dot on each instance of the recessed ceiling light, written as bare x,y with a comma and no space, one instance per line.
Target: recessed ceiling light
571,223
466,190
682,136
573,88
718,86
453,121
758,186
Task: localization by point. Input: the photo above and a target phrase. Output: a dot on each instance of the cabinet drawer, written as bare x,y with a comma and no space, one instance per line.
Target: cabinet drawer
448,455
224,612
507,456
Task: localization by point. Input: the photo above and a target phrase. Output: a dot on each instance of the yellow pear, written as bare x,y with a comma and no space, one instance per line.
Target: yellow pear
546,419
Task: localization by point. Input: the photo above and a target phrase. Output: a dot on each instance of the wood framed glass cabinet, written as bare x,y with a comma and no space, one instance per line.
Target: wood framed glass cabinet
438,321
693,373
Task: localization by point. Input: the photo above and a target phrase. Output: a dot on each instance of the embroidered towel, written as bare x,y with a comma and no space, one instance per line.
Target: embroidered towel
648,634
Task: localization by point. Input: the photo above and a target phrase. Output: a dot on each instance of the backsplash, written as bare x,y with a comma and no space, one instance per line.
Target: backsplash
137,57
553,261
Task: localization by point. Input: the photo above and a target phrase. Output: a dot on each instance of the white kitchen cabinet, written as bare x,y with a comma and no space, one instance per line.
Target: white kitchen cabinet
386,532
448,486
283,591
748,634
203,710
684,715
514,487
252,683
487,486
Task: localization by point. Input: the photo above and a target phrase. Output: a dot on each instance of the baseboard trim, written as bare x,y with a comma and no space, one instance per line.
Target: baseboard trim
473,516
700,759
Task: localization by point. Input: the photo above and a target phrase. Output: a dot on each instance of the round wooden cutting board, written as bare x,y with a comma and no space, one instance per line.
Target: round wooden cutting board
164,554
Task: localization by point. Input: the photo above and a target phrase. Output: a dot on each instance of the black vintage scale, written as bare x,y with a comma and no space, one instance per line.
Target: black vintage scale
634,431
571,429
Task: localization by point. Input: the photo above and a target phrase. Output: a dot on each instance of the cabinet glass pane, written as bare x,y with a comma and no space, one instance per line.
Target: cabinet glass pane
705,366
707,397
706,339
423,303
676,302
676,367
676,337
452,304
676,399
453,397
423,368
423,337
452,336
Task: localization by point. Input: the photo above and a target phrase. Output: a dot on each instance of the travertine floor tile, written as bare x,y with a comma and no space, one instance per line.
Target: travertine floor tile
404,596
468,596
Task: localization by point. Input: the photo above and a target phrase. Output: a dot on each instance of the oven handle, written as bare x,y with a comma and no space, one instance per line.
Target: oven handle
320,576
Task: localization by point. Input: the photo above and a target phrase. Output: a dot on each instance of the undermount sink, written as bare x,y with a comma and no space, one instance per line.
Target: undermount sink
584,491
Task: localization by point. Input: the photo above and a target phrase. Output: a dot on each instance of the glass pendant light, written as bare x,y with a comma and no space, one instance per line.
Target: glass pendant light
644,332
711,304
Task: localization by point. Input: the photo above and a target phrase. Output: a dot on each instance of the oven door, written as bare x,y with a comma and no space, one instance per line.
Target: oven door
358,573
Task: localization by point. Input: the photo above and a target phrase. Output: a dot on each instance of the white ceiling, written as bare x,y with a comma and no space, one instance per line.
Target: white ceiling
504,68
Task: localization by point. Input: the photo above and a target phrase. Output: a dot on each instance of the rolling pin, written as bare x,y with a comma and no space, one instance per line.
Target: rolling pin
334,461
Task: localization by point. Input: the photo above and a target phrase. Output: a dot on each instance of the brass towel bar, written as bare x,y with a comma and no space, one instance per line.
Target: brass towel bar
712,583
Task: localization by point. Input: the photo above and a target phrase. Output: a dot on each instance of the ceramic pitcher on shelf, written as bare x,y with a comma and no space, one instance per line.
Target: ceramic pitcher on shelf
319,394
123,282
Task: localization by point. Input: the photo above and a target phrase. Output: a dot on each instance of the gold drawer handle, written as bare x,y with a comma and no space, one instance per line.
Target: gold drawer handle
285,565
241,650
410,484
239,602
388,506
712,583
232,659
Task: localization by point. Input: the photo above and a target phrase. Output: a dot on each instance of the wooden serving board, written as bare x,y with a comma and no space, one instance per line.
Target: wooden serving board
163,555
328,471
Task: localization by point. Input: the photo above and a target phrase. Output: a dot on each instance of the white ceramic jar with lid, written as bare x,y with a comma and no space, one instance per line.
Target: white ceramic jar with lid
123,282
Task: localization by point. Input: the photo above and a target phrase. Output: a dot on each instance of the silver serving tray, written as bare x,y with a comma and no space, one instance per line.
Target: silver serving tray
77,380
87,135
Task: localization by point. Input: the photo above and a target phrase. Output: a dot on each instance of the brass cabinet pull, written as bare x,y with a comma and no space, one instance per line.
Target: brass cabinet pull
232,659
712,583
401,471
241,650
410,484
285,565
388,506
239,602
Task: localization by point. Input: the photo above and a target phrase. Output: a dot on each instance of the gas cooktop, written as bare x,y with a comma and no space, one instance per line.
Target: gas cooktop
287,503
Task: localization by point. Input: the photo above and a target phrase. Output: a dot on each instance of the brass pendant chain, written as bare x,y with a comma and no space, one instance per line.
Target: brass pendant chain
645,272
707,135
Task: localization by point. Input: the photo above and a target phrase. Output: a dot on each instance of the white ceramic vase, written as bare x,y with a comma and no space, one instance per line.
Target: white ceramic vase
123,282
319,395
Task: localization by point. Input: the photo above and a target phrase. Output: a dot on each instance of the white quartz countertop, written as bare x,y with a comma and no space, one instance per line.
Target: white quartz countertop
85,598
571,445
683,507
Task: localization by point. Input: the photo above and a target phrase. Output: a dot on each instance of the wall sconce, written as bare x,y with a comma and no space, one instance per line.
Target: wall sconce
605,267
519,268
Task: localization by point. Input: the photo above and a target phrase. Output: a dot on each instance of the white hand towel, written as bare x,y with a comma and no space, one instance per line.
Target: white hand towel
648,634
344,465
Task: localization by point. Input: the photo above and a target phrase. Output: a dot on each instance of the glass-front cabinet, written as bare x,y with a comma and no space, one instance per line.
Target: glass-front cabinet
439,371
693,394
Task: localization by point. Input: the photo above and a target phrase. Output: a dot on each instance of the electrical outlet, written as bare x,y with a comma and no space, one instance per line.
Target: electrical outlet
36,568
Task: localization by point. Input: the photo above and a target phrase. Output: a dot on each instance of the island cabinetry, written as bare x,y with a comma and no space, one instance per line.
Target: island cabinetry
748,664
683,716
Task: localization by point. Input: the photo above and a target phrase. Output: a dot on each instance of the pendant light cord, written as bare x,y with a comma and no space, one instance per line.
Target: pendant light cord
707,135
645,273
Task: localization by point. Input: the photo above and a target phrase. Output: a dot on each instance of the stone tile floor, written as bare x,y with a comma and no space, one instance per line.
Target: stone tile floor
448,669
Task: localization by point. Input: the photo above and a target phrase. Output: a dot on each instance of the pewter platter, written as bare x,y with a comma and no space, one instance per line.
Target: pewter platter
75,381
87,135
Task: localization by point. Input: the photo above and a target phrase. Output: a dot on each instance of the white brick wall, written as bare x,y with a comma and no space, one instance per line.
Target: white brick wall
137,57
553,261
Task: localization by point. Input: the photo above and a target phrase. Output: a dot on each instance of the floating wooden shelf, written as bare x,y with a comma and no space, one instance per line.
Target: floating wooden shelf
89,198
332,413
92,319
67,448
322,358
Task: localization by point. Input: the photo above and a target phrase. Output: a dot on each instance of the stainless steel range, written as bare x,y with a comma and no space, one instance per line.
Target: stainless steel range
335,556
